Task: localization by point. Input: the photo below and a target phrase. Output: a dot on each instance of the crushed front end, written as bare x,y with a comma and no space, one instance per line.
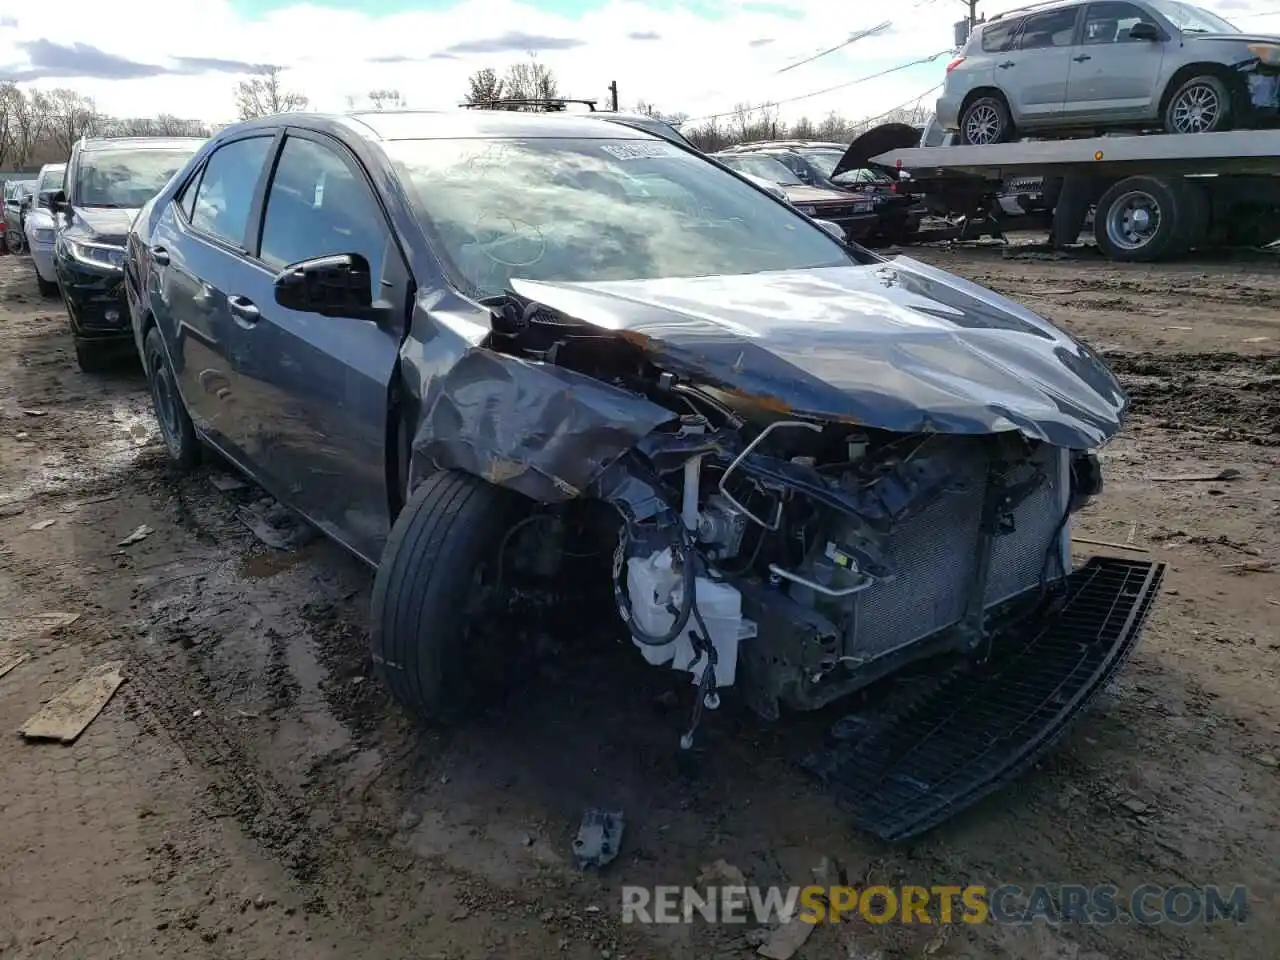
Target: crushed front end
811,481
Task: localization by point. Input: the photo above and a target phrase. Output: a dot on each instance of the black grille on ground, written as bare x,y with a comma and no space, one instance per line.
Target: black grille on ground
944,742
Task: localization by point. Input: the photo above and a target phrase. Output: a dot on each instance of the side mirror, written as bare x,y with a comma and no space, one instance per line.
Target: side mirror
58,202
834,229
1144,30
45,199
335,286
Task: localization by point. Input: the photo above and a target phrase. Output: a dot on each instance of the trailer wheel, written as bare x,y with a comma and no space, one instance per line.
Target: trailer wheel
1200,105
435,594
986,120
1141,219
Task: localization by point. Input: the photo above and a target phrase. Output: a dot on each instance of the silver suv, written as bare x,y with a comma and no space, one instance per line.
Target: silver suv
1069,67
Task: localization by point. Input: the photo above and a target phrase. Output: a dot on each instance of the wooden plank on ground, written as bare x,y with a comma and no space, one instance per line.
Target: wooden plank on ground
10,659
65,717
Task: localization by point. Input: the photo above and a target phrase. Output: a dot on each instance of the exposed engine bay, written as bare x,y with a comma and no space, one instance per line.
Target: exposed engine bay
796,560
795,505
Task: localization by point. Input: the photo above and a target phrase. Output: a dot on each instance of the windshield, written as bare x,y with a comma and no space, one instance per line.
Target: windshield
824,160
766,168
52,179
591,210
1191,19
127,178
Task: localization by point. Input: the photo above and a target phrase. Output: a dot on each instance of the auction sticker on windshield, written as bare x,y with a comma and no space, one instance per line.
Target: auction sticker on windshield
639,151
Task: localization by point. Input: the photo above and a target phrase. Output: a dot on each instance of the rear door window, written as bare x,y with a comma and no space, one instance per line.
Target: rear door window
999,37
1056,28
224,196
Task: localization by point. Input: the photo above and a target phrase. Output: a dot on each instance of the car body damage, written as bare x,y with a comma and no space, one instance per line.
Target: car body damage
821,477
608,380
542,430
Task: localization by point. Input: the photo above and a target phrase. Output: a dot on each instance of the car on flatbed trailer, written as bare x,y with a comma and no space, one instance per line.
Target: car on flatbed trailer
1153,197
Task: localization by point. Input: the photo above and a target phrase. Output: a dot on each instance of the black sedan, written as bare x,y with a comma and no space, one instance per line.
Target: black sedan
108,179
513,359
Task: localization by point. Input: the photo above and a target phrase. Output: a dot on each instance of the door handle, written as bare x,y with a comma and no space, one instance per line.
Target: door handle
1082,58
243,310
1007,64
160,255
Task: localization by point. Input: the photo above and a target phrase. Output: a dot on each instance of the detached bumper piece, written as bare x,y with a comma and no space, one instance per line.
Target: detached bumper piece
952,738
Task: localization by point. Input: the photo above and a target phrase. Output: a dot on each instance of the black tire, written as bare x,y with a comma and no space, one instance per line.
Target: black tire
171,413
989,113
1167,234
1180,110
48,288
451,528
89,357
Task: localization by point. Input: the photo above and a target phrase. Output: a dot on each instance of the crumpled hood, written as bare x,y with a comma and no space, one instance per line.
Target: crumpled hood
104,223
896,345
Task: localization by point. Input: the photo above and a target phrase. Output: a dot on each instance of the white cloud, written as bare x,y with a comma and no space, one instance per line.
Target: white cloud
697,66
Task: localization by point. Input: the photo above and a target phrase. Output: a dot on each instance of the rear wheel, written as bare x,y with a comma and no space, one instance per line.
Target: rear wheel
986,120
171,413
437,597
1141,219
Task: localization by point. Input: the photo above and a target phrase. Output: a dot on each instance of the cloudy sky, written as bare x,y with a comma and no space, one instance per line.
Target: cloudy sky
697,57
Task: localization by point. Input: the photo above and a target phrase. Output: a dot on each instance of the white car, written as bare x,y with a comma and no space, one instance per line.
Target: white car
40,228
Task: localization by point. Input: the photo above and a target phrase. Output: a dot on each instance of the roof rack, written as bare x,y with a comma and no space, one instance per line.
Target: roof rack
1021,10
549,104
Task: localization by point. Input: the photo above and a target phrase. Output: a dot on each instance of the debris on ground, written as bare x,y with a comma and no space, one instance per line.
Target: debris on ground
67,715
9,659
1113,545
43,524
17,625
721,873
141,532
275,525
32,412
599,837
1227,473
226,483
786,939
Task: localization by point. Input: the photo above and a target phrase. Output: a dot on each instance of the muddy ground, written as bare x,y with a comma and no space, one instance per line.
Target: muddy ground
251,793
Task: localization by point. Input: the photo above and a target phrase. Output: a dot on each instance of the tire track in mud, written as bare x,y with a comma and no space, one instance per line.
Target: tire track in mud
1235,396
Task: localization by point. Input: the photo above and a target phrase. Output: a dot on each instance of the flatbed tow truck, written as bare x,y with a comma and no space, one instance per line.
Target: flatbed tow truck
1154,196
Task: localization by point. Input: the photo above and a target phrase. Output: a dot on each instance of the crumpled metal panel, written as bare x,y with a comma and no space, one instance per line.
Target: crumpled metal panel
894,345
542,430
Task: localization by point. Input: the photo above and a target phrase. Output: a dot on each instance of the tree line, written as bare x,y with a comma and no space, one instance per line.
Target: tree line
38,127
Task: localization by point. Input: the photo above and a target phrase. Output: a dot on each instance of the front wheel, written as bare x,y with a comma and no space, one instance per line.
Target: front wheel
435,636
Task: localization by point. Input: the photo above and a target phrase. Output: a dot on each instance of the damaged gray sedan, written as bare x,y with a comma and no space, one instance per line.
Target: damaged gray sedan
505,356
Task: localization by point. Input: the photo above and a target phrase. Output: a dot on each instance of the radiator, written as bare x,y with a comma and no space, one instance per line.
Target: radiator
935,551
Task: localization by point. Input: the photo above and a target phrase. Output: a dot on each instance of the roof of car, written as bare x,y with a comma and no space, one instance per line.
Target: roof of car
457,124
1044,6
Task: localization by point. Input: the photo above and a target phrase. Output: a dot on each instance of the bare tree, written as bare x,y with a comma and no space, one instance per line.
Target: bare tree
484,86
29,117
382,99
71,116
803,129
265,94
530,81
8,93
